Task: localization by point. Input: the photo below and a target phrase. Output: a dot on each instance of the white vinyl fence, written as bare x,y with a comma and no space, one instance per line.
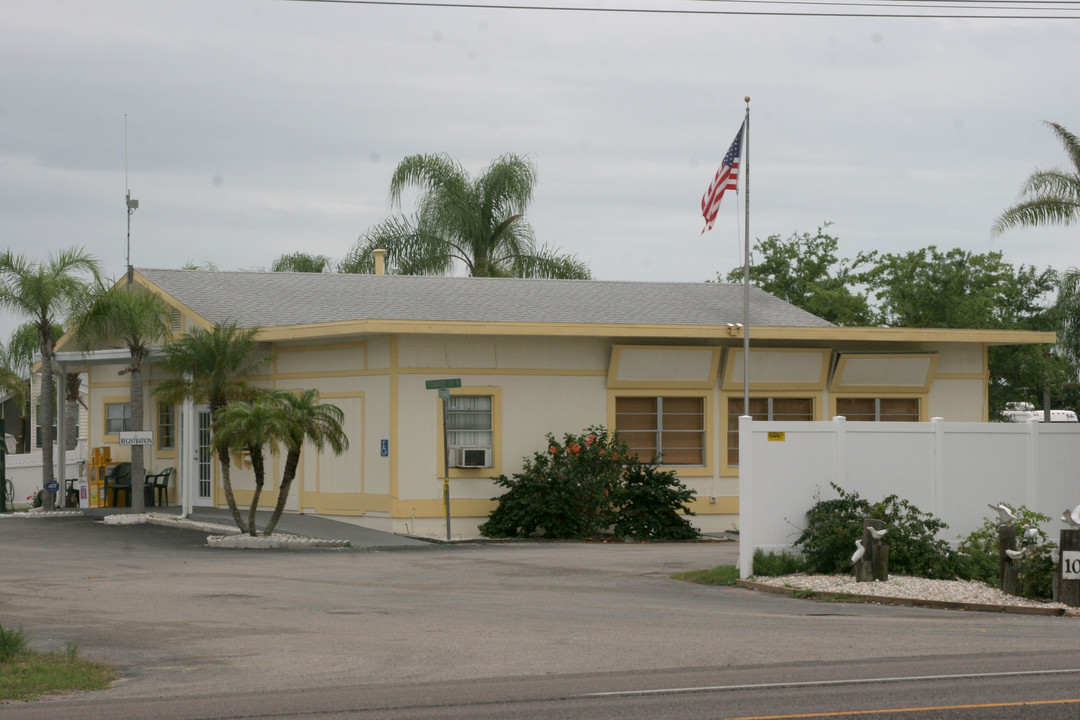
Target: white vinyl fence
24,471
951,470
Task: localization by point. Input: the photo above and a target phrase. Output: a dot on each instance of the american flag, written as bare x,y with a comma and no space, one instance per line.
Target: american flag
726,178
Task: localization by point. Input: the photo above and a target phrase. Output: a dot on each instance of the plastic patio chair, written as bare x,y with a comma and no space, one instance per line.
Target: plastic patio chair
119,478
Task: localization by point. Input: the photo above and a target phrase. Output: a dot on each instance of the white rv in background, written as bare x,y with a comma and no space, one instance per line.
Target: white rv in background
1023,411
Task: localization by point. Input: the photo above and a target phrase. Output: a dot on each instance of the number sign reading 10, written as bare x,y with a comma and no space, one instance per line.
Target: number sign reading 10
1070,565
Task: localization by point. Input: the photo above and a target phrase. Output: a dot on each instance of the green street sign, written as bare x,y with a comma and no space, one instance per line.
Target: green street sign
444,393
448,383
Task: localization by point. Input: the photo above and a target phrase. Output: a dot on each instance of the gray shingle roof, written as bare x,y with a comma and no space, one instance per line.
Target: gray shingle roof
268,300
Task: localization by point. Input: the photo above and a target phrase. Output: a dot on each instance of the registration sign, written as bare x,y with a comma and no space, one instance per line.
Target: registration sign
142,437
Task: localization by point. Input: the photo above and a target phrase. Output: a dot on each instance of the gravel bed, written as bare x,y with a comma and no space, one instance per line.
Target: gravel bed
912,588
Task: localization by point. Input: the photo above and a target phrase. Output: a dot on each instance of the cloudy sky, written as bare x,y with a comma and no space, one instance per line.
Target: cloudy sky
260,127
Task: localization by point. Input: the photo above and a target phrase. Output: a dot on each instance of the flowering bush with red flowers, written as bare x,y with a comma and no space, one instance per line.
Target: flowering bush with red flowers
586,485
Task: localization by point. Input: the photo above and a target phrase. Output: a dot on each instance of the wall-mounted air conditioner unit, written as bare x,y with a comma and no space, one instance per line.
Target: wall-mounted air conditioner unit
463,457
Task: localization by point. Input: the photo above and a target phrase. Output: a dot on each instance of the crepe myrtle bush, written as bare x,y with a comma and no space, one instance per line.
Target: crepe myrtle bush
589,484
833,526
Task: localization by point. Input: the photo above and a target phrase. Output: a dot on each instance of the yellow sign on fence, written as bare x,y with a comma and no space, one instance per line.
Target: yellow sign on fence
776,437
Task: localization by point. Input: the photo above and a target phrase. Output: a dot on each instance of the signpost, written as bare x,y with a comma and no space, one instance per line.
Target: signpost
443,386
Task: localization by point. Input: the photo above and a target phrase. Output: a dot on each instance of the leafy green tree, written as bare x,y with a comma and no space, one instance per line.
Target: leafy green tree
48,292
927,288
302,262
138,318
255,426
805,271
305,420
478,222
1049,197
212,366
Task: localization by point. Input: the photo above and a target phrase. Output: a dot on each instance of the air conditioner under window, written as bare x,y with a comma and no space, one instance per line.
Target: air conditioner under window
463,457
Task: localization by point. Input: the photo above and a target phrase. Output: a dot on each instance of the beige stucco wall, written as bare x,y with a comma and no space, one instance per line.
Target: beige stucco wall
541,385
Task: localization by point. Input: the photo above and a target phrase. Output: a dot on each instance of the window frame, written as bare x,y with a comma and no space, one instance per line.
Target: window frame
493,470
726,468
164,450
114,402
919,399
708,467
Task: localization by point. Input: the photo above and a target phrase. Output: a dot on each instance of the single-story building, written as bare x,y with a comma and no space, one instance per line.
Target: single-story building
661,363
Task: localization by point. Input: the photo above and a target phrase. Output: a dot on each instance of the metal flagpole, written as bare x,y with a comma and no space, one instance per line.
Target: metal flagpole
746,263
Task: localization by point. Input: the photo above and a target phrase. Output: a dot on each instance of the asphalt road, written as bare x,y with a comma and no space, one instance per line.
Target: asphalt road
476,631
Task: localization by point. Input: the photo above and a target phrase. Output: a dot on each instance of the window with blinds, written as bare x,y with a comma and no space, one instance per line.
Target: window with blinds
117,418
671,429
764,408
878,409
468,421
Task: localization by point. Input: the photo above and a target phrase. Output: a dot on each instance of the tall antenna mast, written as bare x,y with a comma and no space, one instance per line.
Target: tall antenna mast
132,205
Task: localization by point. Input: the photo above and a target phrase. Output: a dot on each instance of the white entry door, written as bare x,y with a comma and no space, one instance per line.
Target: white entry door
204,467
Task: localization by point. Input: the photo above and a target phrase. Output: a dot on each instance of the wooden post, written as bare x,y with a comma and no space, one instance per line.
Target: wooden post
1069,567
1010,577
871,565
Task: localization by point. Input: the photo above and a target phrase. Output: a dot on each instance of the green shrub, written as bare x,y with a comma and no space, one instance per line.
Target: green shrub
12,642
773,564
833,526
650,504
979,552
586,485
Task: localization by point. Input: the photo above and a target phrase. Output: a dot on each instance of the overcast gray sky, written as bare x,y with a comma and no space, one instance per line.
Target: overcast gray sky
260,127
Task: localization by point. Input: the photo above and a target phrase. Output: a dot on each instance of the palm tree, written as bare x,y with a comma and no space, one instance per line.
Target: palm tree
253,426
139,319
212,367
305,420
302,262
1049,197
15,360
48,292
477,222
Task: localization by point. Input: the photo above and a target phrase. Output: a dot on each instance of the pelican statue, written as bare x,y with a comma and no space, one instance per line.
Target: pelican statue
1071,517
1005,513
877,534
858,553
1015,555
1030,533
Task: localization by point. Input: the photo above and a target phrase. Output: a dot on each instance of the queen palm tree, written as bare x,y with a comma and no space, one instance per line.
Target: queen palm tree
212,366
139,319
305,420
48,292
254,426
477,222
1049,197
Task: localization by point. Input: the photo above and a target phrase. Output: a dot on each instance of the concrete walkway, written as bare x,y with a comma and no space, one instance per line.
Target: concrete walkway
315,526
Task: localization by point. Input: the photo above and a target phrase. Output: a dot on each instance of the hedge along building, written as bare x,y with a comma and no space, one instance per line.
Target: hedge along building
661,363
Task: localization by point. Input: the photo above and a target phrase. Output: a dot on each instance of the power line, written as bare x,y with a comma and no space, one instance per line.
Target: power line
1019,6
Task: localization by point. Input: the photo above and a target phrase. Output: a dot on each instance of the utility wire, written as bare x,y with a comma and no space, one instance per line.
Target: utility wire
1015,5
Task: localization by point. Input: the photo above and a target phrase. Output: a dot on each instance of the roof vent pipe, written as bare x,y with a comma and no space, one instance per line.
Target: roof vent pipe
380,262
